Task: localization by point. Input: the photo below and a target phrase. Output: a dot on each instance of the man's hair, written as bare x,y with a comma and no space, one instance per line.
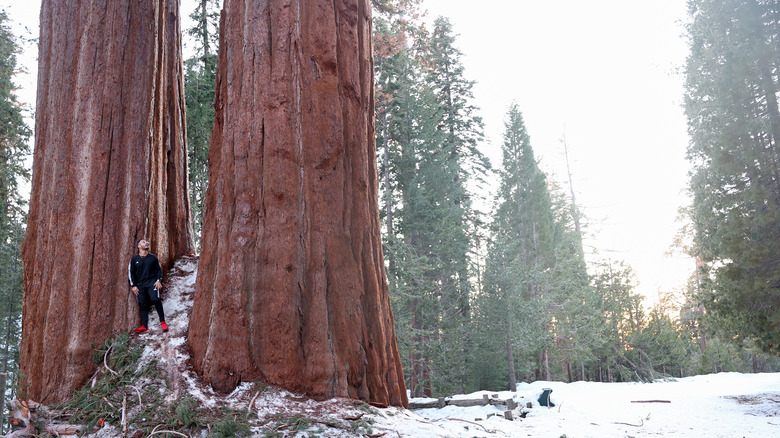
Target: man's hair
139,241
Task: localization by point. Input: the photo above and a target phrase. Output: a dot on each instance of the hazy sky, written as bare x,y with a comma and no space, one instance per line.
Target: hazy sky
603,72
606,73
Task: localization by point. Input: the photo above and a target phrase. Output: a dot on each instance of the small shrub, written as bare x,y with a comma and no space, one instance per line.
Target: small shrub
230,427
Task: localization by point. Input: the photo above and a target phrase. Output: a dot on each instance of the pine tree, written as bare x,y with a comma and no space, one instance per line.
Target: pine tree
734,124
574,302
14,148
199,83
521,254
429,223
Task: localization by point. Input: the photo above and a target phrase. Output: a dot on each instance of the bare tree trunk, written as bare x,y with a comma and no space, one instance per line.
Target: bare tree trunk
546,365
510,357
291,287
6,350
109,168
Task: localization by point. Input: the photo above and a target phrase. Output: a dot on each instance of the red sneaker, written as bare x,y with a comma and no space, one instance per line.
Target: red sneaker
141,329
164,326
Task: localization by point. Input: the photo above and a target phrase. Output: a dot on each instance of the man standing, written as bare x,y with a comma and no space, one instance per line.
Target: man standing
145,275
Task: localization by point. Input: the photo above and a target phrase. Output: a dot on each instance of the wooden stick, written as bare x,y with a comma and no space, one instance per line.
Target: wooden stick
252,403
641,423
651,401
106,363
467,421
124,416
157,432
139,394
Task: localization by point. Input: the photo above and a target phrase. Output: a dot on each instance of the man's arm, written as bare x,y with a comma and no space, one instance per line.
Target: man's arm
158,283
130,277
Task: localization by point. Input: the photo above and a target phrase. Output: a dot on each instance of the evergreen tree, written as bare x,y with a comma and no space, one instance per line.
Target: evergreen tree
574,307
14,147
734,124
446,221
429,222
521,255
199,85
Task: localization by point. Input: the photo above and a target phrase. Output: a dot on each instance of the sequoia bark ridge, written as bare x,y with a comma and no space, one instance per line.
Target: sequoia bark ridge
109,168
291,287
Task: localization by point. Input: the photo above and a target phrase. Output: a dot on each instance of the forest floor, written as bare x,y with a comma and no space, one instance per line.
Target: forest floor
719,405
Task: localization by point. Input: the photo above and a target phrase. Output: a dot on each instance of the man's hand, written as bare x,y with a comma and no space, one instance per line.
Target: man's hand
157,285
135,291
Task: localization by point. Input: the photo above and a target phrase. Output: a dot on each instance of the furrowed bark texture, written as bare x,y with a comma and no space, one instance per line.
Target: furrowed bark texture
109,168
291,287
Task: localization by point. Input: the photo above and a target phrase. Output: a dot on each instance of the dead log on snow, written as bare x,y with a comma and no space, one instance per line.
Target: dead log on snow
23,420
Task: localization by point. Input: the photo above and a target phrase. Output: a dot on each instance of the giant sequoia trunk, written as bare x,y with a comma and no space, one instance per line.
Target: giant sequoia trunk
109,168
291,286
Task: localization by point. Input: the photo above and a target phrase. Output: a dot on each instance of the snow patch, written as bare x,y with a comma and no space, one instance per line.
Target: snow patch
719,405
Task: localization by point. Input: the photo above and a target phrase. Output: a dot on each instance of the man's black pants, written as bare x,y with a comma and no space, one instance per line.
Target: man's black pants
148,296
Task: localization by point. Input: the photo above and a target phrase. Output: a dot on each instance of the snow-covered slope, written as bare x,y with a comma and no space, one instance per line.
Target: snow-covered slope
720,405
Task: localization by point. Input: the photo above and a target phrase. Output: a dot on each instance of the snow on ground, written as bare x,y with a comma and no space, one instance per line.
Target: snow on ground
718,405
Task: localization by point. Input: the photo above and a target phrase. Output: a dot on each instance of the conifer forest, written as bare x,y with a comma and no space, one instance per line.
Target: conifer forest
488,274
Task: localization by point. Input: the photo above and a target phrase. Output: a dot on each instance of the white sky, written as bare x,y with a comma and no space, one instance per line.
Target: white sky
607,73
604,72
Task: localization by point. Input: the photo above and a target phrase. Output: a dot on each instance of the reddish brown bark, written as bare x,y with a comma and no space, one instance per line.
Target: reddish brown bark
109,168
291,286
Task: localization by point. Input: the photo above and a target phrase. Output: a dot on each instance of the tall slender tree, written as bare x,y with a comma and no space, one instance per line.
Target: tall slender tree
521,254
109,168
199,84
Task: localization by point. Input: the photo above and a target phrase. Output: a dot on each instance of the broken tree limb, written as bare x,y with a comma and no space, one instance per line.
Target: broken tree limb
651,401
173,432
641,423
358,417
252,404
466,421
105,362
23,415
124,415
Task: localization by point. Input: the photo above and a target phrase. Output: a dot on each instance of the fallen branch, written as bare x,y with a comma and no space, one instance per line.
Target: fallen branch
169,431
651,401
64,429
467,421
376,435
331,424
641,423
358,417
155,432
124,415
137,391
252,403
105,363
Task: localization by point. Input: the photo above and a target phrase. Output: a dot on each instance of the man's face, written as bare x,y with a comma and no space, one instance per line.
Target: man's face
143,245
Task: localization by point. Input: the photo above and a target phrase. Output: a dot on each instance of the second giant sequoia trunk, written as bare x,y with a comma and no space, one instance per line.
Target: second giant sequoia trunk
109,168
291,287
